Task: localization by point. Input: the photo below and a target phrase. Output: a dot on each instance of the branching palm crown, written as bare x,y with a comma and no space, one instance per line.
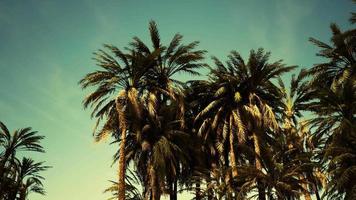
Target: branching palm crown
242,104
335,111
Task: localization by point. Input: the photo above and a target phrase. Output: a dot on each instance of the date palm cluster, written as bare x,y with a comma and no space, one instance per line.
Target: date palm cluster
20,175
241,133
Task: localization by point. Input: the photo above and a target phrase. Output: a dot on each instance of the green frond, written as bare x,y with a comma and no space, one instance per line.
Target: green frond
154,35
173,44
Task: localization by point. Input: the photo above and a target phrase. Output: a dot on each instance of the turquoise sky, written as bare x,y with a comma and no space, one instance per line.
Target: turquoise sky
46,47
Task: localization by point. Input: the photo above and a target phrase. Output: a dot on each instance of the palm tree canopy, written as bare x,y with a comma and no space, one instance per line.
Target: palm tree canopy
235,87
341,59
21,140
19,177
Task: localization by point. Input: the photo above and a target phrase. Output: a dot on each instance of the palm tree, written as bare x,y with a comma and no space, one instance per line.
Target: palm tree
342,167
170,60
140,74
28,179
203,152
118,85
294,131
21,140
242,103
161,153
334,109
335,119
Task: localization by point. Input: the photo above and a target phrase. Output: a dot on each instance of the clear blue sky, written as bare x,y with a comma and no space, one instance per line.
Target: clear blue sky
46,47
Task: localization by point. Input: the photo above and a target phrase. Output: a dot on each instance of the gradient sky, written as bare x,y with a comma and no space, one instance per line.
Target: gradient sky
46,47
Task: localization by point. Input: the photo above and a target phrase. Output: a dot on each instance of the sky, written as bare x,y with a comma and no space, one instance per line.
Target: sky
46,47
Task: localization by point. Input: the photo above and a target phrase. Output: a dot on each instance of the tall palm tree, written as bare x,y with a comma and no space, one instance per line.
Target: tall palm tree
334,109
143,79
294,131
203,152
118,85
10,144
162,88
242,106
161,153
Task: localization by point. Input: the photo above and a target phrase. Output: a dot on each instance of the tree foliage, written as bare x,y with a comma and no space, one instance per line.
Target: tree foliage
20,176
244,132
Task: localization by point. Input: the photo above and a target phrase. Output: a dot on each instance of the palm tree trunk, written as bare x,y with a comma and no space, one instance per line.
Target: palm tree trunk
122,156
121,167
147,184
154,184
261,191
172,188
258,165
175,191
